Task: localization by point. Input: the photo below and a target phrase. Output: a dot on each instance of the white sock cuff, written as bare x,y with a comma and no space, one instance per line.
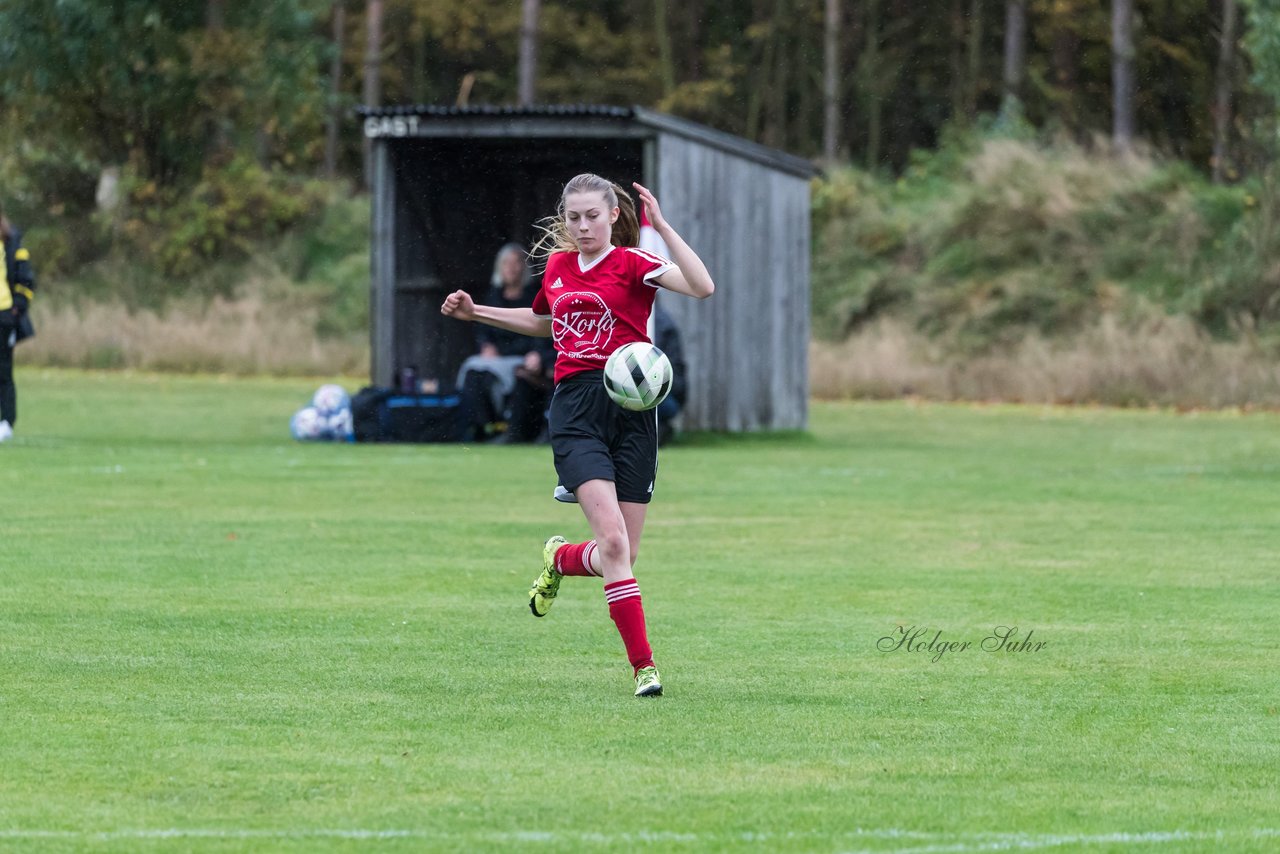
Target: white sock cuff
622,590
587,554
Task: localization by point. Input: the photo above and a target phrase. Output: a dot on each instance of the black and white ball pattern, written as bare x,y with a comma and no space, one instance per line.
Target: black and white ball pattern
637,376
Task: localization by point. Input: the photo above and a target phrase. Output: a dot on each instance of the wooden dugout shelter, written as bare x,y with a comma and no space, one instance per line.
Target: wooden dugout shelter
451,185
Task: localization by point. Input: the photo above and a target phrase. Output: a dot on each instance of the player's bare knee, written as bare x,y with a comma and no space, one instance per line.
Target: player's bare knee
613,546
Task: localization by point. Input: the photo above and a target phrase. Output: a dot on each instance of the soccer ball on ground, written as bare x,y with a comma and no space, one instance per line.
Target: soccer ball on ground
331,399
340,426
637,376
307,424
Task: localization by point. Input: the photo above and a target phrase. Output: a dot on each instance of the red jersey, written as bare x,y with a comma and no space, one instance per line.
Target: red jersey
596,309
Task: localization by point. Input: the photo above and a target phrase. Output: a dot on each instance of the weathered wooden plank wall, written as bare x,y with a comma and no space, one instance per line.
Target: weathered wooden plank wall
747,346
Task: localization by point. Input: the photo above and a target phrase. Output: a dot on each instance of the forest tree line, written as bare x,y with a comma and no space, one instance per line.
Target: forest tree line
165,89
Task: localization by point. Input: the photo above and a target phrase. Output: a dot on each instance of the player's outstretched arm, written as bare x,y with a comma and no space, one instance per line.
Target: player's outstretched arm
461,306
690,276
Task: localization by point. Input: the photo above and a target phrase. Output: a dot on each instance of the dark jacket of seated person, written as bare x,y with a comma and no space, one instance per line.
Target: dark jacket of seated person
492,341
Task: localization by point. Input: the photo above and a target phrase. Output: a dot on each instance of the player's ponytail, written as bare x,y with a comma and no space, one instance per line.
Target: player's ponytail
553,236
626,231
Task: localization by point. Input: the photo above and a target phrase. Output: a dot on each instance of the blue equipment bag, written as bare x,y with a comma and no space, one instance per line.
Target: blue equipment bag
422,417
384,415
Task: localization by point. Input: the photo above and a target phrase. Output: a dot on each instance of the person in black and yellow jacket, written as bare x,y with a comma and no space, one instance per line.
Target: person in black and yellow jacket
17,286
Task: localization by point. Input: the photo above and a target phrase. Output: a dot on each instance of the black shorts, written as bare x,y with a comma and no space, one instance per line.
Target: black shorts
594,438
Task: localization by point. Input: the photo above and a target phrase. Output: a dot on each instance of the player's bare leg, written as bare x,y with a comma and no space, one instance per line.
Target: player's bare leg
616,547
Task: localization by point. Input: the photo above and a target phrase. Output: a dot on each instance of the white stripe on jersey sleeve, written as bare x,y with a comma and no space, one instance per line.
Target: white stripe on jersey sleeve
653,257
664,265
653,274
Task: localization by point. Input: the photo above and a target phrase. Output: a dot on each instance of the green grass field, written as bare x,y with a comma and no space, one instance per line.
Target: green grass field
213,638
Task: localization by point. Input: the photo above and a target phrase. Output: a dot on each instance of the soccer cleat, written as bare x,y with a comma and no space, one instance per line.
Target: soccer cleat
647,683
547,585
562,494
6,431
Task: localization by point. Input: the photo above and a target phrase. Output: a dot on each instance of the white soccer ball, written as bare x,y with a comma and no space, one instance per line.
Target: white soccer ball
637,376
340,426
331,399
308,424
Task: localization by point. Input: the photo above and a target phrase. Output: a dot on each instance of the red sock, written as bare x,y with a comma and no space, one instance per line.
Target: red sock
575,558
628,615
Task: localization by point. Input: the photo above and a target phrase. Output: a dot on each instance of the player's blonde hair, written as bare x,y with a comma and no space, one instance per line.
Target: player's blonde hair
554,231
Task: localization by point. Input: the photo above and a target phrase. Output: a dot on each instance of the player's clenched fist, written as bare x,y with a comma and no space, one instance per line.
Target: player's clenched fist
460,305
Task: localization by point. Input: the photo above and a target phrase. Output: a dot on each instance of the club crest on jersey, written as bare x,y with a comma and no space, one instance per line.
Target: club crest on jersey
581,324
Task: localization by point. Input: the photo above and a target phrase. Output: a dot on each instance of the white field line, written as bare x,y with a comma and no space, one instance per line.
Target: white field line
938,842
978,842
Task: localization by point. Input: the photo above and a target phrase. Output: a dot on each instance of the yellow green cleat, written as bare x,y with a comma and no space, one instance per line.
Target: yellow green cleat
545,587
648,683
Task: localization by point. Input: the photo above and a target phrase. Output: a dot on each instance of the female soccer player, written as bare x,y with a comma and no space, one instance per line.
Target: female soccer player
597,292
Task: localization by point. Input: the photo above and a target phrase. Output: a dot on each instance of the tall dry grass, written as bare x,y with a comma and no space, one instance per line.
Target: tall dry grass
247,335
1165,361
